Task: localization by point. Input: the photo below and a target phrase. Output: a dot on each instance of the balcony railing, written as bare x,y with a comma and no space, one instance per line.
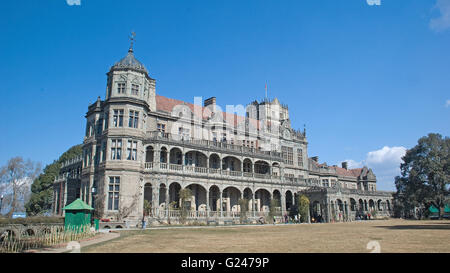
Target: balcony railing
219,145
203,171
194,214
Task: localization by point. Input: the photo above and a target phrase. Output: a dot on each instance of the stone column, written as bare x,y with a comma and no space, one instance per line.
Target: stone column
167,200
253,205
221,203
207,203
156,200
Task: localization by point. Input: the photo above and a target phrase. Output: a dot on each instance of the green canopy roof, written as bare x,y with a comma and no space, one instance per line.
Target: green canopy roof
78,205
433,209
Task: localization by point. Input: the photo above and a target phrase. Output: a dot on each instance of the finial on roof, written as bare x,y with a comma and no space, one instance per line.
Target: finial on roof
304,129
133,34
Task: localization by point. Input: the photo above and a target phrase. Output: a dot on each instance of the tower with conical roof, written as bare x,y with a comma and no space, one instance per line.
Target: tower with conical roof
128,78
113,145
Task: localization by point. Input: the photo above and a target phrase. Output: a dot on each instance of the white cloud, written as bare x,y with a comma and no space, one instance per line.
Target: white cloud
447,103
352,164
385,163
442,22
73,2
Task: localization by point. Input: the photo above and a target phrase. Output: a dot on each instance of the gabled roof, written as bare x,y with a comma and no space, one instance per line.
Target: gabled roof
78,205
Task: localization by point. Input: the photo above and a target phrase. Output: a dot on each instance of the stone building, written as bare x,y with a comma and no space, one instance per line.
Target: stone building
140,146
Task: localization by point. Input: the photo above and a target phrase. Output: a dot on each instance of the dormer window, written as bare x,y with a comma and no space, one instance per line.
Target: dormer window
135,89
121,88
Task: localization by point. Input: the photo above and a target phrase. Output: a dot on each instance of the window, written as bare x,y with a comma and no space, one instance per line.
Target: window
104,151
287,154
133,119
99,126
116,149
118,118
161,127
300,157
135,89
106,120
97,155
131,150
113,193
121,88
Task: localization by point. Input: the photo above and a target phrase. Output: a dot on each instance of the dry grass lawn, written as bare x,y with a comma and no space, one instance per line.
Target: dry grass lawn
393,236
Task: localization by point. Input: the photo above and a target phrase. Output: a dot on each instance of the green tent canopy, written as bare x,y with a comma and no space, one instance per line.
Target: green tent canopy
77,215
433,209
78,205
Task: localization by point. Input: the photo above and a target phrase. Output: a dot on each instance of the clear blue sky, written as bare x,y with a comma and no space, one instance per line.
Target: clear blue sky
360,77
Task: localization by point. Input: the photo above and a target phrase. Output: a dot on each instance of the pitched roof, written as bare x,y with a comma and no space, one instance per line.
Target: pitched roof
167,104
78,205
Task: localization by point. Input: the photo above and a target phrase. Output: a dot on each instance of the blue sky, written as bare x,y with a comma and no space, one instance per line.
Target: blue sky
368,81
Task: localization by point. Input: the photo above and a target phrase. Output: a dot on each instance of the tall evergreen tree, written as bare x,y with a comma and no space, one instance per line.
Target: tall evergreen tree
42,188
425,174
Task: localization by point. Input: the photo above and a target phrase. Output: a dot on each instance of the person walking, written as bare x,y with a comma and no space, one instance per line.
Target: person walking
144,223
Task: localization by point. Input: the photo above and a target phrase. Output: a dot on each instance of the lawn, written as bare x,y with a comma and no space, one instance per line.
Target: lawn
392,235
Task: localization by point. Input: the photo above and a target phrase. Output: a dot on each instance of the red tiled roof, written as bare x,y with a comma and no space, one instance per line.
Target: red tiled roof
167,105
347,172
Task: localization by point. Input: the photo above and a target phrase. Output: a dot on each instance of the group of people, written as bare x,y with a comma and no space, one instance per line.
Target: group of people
365,216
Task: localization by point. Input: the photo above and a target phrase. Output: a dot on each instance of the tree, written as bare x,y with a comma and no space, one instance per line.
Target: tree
42,187
425,174
147,208
303,208
243,204
15,176
185,195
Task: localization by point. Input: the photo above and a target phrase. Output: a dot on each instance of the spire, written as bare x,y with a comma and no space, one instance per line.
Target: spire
133,34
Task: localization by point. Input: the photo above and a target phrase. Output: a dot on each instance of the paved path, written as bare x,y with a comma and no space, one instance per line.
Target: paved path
101,237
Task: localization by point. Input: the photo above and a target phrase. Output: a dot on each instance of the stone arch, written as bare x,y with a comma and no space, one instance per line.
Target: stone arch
361,205
371,205
198,199
148,193
316,209
262,167
248,165
174,194
214,198
380,205
163,155
195,158
365,205
231,163
276,195
339,205
176,156
288,197
149,154
162,196
214,161
262,199
230,197
388,204
352,204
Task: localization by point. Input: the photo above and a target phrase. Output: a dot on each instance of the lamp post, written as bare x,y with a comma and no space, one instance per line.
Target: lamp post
1,204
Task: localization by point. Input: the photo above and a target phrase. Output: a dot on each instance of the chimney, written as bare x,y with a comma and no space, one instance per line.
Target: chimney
210,101
315,158
344,165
